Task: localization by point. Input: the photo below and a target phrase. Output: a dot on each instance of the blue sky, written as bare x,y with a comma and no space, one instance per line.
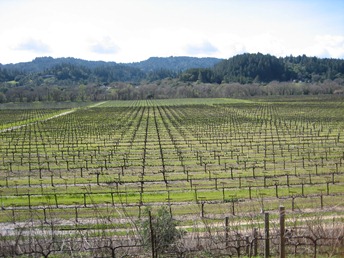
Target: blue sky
134,30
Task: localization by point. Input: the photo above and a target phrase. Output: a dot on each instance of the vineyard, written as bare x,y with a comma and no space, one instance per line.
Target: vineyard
80,180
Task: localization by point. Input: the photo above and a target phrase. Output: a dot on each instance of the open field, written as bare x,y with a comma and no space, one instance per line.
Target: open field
93,170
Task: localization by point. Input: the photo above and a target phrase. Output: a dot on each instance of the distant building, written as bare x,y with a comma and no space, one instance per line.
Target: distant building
339,92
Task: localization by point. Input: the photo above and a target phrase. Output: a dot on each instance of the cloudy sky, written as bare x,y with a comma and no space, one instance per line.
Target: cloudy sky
134,30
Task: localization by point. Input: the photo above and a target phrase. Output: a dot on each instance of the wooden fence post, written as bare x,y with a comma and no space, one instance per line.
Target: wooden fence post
255,242
238,240
248,249
226,231
282,231
76,213
152,234
266,231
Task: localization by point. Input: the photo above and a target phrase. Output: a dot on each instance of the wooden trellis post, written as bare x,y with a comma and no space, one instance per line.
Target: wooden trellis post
255,242
266,238
282,231
227,231
152,234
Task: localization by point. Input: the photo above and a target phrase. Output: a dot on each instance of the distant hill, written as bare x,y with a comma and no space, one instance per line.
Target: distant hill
175,63
73,69
41,64
260,68
244,68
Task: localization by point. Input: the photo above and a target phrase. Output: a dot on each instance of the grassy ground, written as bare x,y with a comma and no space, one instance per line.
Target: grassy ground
114,159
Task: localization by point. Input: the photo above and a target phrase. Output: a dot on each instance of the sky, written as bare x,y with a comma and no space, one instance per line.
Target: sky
126,31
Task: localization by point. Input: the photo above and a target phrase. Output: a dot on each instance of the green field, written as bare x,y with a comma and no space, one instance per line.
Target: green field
83,166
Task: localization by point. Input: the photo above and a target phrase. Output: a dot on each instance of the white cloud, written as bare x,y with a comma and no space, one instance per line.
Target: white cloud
204,48
327,46
266,43
229,45
33,45
104,46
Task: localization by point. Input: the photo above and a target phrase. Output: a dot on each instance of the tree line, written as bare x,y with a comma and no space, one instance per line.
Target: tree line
166,89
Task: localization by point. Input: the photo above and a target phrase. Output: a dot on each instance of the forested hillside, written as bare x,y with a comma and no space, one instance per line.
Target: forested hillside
174,63
245,68
78,69
40,64
249,68
70,79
